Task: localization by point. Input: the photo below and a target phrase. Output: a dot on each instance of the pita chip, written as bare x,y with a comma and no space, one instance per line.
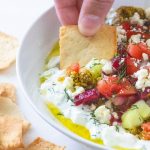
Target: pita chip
8,47
8,90
7,107
41,144
10,133
74,47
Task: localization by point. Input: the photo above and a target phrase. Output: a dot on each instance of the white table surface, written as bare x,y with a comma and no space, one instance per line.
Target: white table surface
16,16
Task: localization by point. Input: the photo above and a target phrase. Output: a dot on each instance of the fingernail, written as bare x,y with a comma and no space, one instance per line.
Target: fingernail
89,25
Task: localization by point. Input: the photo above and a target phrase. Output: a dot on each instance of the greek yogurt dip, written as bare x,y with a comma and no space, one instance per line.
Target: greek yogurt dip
111,98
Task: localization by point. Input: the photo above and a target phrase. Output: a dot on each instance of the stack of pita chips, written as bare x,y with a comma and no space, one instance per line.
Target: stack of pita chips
13,126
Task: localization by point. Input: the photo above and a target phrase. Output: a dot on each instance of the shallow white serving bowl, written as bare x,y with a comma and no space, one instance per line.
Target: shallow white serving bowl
30,60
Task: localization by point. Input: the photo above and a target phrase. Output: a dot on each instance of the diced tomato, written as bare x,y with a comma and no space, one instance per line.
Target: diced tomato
144,48
126,25
145,135
131,68
109,86
73,68
104,88
146,36
146,131
127,88
146,126
135,51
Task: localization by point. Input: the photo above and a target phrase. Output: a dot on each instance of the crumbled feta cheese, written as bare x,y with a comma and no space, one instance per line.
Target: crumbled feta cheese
148,42
135,38
120,30
145,57
142,73
115,115
135,19
112,17
68,83
78,90
143,77
121,34
107,66
147,12
115,123
103,114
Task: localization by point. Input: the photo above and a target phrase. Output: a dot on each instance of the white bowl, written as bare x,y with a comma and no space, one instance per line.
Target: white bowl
30,60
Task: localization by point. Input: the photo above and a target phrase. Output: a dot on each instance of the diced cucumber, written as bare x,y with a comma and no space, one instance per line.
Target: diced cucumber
131,119
96,70
143,109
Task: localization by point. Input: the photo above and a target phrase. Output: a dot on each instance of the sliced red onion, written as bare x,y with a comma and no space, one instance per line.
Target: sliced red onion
87,97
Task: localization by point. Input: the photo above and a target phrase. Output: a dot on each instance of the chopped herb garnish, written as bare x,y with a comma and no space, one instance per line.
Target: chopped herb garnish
94,118
94,64
67,95
116,54
134,107
52,91
122,71
117,128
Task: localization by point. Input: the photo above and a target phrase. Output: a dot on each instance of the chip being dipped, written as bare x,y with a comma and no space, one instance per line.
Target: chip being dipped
74,47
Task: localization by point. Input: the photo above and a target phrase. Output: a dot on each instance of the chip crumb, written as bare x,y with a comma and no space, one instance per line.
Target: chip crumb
8,90
8,47
41,144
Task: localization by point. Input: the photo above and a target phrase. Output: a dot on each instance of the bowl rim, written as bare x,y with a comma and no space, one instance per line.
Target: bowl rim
52,123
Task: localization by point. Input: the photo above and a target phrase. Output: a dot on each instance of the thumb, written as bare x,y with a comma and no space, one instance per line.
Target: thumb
92,15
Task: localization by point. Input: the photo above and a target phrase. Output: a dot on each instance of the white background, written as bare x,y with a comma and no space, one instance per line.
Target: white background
16,16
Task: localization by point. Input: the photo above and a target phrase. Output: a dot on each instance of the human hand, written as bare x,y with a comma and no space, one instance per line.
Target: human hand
88,14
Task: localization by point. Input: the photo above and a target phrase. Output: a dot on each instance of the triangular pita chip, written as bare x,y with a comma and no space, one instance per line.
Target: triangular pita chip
7,107
74,47
8,47
41,144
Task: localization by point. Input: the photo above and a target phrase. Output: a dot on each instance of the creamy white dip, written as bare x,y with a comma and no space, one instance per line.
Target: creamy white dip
55,91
